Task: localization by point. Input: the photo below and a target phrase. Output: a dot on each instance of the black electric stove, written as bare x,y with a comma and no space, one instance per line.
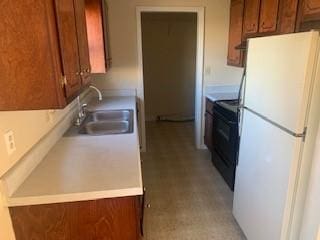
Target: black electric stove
226,138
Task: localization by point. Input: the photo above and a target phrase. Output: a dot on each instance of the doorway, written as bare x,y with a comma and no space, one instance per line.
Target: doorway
169,42
176,111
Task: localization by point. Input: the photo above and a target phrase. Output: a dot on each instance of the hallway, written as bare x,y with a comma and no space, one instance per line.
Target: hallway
189,200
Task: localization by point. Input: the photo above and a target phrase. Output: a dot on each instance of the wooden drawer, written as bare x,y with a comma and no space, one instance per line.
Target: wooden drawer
209,106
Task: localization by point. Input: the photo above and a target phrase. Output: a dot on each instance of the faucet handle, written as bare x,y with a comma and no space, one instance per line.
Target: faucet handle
83,110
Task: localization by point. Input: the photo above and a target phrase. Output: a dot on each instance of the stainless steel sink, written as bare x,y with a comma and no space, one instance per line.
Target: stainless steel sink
116,115
107,122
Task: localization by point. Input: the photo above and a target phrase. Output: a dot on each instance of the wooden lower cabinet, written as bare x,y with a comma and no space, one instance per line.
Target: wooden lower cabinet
104,219
208,134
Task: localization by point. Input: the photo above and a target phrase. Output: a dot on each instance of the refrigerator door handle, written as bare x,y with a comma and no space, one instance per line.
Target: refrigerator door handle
297,135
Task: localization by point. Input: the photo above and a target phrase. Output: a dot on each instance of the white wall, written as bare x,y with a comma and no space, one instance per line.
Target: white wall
123,42
169,56
311,220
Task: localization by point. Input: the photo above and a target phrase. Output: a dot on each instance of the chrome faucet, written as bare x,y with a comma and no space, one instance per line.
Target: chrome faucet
82,113
83,107
98,91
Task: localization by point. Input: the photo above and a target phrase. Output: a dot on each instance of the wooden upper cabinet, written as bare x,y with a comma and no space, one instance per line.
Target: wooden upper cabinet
287,16
268,16
251,18
45,59
30,68
69,46
235,32
309,15
311,10
98,46
81,26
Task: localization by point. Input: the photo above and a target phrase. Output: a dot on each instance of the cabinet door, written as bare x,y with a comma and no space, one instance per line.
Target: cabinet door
208,135
309,15
82,41
268,16
311,10
69,46
251,17
235,32
30,67
287,16
96,35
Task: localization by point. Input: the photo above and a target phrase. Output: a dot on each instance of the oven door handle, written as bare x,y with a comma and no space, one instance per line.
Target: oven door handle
223,118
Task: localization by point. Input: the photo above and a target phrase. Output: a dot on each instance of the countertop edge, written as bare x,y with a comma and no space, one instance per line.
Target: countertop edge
73,197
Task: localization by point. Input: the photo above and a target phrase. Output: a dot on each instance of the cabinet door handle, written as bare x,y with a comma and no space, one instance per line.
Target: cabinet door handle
88,70
64,81
81,73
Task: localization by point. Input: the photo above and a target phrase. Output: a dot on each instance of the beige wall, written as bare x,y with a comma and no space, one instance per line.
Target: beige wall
123,42
169,54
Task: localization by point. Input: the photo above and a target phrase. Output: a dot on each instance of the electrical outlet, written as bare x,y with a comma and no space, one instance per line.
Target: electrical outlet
10,143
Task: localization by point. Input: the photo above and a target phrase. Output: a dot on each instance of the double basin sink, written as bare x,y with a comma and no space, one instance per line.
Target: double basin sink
107,122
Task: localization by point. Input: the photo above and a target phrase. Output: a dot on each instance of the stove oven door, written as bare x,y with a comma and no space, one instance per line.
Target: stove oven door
225,139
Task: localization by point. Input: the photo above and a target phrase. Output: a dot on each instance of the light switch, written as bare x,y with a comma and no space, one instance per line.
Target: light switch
10,143
207,70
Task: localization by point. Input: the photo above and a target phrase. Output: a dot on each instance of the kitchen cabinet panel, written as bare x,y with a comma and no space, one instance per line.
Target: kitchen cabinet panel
208,135
309,15
96,19
81,26
268,16
235,32
287,16
112,219
30,67
251,18
311,10
69,46
44,52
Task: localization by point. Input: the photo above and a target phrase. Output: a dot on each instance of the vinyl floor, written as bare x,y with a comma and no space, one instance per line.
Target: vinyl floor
188,198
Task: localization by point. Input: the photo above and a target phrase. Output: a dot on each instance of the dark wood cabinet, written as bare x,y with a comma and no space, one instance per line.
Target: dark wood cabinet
268,16
96,18
112,219
287,16
69,46
30,68
45,58
208,134
251,18
309,15
235,32
82,35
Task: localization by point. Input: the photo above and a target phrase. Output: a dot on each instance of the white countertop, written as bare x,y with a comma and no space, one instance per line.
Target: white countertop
82,167
222,92
216,96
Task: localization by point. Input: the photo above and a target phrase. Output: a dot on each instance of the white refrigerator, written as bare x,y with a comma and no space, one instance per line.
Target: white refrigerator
279,121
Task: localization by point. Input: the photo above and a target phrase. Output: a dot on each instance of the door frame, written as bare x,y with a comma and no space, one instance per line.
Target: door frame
199,69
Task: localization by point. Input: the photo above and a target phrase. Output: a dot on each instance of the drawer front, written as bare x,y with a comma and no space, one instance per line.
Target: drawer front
209,106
